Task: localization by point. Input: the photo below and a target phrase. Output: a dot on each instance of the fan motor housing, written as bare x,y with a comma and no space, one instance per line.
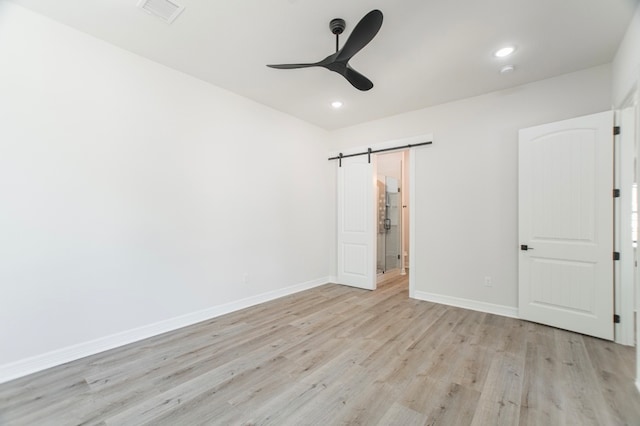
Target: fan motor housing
337,25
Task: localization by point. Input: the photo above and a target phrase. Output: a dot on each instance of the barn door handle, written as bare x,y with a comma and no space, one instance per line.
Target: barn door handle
525,247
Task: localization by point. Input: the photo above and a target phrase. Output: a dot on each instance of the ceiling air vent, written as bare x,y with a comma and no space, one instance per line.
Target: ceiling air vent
167,10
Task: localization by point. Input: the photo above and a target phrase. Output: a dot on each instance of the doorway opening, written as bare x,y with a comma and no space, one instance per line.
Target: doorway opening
392,215
356,204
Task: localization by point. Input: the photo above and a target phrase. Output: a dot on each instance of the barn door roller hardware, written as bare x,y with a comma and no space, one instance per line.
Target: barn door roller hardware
370,151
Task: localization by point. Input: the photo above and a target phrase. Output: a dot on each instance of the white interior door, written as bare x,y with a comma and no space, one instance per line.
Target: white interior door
356,221
566,224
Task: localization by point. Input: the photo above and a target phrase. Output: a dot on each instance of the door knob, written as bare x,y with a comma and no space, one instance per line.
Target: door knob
525,247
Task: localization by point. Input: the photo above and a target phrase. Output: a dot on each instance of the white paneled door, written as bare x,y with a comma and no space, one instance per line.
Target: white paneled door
566,224
356,221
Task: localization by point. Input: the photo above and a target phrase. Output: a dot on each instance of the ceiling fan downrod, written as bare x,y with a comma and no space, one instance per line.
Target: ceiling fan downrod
337,26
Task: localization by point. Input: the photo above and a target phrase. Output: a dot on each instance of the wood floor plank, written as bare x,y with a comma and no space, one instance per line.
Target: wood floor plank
369,405
514,338
585,402
343,356
543,400
234,374
499,402
442,403
400,415
340,388
611,364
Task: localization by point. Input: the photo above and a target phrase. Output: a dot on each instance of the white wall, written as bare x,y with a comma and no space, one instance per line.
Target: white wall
466,182
131,194
626,64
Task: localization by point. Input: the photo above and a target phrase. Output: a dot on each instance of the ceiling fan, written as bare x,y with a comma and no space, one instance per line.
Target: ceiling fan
338,62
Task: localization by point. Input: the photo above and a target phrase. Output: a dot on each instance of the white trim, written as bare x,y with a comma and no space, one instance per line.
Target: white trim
403,202
623,276
71,353
412,222
636,280
502,310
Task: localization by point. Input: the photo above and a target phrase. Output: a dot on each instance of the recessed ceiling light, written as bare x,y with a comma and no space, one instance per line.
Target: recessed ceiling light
507,69
336,104
505,51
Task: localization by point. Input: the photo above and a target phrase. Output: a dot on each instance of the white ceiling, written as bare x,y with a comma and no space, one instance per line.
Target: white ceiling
427,52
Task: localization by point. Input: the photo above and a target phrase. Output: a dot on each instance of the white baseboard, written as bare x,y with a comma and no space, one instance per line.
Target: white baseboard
505,311
37,363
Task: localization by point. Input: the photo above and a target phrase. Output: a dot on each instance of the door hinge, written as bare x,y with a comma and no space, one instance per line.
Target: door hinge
616,130
616,193
616,255
616,319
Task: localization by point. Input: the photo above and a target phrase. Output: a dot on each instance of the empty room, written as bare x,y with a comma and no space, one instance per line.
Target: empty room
319,213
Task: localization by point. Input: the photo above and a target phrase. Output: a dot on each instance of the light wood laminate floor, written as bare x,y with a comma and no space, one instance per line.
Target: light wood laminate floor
339,355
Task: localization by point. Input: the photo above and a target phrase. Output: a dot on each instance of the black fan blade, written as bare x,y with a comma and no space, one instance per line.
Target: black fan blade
292,66
357,80
361,35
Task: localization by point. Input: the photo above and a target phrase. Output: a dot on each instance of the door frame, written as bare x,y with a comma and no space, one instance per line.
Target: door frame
625,152
633,100
637,255
412,185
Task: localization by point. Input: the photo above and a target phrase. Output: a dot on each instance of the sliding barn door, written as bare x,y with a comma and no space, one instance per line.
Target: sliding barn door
356,221
566,224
